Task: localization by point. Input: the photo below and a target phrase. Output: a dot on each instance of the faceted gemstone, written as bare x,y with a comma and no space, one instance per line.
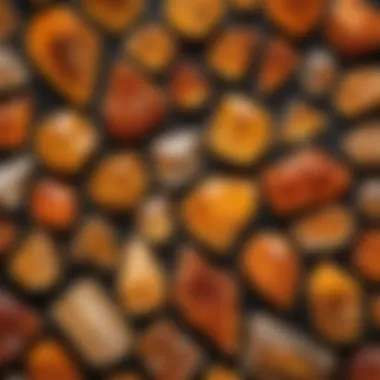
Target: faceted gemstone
221,373
327,229
354,27
115,15
307,178
66,50
302,122
194,19
8,236
129,96
279,62
362,145
208,299
141,279
296,17
240,131
217,210
176,156
364,365
96,244
65,141
358,92
119,182
368,198
232,52
335,304
9,19
48,360
152,46
278,351
36,265
272,268
189,89
246,5
93,323
13,73
54,204
167,353
19,325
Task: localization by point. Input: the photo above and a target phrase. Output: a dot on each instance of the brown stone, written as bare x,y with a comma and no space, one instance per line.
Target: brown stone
119,182
218,208
272,268
13,72
364,365
307,178
246,5
48,360
368,198
167,353
221,373
9,19
8,236
133,106
240,131
208,299
335,304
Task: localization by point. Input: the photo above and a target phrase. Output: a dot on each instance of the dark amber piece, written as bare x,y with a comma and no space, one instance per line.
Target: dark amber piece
221,373
307,178
208,299
66,50
8,234
365,364
132,106
9,19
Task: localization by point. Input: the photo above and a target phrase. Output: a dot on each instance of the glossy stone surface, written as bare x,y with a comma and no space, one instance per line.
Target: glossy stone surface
364,365
368,198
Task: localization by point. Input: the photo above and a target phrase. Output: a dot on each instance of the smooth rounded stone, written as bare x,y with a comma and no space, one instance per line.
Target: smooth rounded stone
152,47
13,73
141,283
358,91
364,364
240,130
361,145
273,268
93,323
194,19
325,230
189,88
246,5
279,63
278,351
19,325
167,353
232,52
36,265
335,304
8,236
307,178
54,204
96,244
128,97
65,141
119,182
9,19
221,373
48,360
176,156
66,50
353,27
217,209
296,18
208,299
368,198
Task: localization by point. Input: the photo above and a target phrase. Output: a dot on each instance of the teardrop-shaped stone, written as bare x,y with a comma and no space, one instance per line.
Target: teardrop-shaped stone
364,364
368,198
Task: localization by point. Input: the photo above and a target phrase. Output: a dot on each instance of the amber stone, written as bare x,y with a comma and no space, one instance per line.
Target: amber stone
368,198
335,304
279,62
217,209
167,353
194,19
141,284
128,97
364,364
327,229
240,131
119,182
354,27
189,88
232,52
201,292
278,351
221,373
152,46
9,19
54,204
272,267
36,265
306,178
296,17
246,5
8,235
358,92
48,360
19,325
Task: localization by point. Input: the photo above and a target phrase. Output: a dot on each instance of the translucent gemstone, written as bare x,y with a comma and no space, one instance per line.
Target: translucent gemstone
368,198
